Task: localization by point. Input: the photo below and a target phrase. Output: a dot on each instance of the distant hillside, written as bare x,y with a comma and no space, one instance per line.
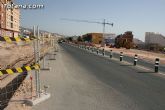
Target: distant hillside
31,30
23,29
137,41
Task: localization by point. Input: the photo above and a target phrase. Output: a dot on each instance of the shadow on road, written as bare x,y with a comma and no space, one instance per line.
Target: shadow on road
146,72
127,65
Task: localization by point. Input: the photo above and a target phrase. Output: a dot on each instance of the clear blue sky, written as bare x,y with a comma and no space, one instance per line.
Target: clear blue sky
139,16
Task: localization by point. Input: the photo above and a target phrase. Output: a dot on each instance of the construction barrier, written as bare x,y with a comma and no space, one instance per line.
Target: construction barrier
20,69
15,39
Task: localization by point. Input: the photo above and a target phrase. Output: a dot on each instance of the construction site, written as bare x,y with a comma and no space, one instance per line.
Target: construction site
22,56
58,55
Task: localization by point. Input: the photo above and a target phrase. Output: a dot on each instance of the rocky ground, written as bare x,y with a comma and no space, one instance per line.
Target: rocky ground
23,92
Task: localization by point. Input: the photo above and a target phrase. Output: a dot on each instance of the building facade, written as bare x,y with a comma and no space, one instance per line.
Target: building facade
95,38
154,38
110,39
10,20
124,40
2,17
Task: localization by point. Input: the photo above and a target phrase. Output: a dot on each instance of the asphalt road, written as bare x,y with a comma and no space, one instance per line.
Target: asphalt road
130,59
80,80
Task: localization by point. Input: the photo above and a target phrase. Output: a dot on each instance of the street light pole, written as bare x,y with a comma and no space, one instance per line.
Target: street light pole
103,41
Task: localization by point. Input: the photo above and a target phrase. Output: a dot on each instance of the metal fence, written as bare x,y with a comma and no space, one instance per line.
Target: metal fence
8,90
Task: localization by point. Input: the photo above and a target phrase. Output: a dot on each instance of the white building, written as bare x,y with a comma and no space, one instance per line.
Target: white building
110,38
154,38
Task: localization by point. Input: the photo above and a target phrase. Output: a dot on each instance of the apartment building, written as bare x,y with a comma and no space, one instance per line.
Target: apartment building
11,20
154,38
95,38
2,17
124,40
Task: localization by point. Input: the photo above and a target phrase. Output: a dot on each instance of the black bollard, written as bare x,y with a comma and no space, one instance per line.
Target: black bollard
110,54
156,65
135,59
121,56
97,51
92,49
103,52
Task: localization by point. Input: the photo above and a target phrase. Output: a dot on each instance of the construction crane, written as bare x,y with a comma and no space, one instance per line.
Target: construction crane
103,23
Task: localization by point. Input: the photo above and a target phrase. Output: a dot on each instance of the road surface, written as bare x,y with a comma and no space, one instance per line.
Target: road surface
80,80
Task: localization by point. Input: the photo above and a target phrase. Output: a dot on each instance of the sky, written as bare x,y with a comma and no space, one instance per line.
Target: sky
138,16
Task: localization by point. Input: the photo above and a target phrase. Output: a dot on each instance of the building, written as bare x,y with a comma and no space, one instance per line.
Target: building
138,44
95,38
154,39
2,18
124,40
11,20
110,39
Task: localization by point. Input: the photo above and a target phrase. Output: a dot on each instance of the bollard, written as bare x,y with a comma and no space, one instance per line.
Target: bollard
135,59
97,51
156,65
103,52
121,56
110,54
92,49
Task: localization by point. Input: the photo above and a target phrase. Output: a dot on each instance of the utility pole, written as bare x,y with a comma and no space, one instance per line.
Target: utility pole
103,42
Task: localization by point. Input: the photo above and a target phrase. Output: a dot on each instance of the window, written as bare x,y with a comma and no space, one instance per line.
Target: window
11,18
11,25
